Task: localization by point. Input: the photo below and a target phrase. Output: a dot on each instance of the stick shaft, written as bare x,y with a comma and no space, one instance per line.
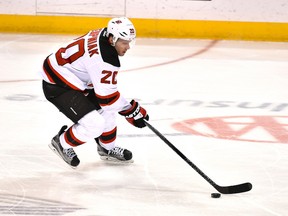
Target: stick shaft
180,154
222,189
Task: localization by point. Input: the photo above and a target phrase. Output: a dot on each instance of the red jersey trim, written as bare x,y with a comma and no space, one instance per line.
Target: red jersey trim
108,99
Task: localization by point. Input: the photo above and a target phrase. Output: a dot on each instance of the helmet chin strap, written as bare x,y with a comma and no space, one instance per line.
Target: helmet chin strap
114,40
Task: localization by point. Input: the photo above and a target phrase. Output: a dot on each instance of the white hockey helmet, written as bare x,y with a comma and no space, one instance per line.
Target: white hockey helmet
121,28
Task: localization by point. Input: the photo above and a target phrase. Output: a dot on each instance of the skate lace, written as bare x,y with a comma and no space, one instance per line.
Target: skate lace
69,152
117,151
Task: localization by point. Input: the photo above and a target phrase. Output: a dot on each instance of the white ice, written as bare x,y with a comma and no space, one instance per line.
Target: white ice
175,80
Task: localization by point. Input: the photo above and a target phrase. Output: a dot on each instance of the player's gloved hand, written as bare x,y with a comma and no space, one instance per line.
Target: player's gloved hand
135,115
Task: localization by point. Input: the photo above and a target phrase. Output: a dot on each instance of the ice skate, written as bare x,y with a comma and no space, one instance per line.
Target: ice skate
68,155
117,154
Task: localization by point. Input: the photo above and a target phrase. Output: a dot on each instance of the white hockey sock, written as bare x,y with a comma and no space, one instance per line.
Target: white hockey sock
107,146
63,143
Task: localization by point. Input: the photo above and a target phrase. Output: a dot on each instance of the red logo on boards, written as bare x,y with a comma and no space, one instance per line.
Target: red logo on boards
270,129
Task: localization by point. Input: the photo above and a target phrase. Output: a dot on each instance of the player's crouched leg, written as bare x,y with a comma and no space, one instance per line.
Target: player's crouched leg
89,126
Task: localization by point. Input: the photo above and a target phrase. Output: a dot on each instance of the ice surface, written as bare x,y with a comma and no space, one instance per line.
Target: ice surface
229,82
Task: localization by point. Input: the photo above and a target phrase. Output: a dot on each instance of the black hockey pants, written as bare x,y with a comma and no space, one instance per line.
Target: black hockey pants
73,104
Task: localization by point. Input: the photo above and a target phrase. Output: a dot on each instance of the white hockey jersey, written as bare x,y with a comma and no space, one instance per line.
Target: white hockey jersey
88,62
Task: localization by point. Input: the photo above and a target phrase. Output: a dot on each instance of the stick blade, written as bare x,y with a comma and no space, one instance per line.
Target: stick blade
241,188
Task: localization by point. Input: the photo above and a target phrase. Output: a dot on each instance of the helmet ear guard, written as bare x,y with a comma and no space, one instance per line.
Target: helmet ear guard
121,28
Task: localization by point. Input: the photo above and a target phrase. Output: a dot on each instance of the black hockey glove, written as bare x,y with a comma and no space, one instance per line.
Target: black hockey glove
135,115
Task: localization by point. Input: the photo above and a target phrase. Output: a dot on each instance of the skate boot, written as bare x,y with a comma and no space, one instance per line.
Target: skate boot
68,155
117,154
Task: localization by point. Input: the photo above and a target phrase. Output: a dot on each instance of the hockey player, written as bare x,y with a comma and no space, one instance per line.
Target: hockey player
80,80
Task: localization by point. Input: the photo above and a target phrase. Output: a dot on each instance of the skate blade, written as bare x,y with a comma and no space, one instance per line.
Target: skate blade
114,160
56,152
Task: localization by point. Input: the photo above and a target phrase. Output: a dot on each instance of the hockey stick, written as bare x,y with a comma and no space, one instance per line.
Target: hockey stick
240,188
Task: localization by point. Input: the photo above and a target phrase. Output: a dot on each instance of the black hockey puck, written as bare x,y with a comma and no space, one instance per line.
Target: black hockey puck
215,195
